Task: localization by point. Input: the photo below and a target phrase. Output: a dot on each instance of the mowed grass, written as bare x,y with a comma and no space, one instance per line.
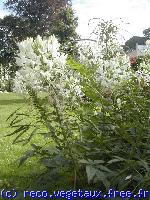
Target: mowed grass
31,175
11,175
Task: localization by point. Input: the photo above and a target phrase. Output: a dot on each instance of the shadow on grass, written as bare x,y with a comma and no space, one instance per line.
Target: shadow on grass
12,101
42,181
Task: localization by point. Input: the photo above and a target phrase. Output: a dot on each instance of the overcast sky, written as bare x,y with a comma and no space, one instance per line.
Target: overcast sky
135,12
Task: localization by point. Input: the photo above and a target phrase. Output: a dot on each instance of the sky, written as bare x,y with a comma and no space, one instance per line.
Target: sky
134,14
3,12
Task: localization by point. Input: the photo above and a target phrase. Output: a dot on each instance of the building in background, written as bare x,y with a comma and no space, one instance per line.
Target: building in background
140,50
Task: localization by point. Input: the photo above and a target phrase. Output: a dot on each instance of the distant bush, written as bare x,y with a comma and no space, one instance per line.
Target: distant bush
6,82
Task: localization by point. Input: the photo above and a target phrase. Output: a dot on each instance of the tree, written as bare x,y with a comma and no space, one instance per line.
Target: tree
146,33
44,17
8,49
8,45
64,27
105,34
36,17
131,43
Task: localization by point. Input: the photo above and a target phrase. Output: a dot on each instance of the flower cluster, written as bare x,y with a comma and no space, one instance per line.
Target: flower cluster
143,74
113,71
109,72
43,66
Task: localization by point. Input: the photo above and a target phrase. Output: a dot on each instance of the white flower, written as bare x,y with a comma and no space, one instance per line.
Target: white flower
26,46
45,67
148,42
119,102
128,177
39,40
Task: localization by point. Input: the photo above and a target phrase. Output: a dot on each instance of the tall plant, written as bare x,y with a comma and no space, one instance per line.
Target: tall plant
96,112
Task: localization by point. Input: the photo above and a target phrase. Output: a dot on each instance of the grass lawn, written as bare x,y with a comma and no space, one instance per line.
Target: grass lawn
24,177
12,176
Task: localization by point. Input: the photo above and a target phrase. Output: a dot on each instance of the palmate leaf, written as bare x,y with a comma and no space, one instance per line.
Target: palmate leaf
22,128
91,172
12,114
16,118
20,131
113,161
31,135
99,161
95,175
18,136
83,161
91,162
22,114
116,159
12,124
105,169
102,176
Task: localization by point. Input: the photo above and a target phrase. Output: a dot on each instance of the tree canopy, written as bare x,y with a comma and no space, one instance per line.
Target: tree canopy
39,17
131,43
30,18
146,33
8,45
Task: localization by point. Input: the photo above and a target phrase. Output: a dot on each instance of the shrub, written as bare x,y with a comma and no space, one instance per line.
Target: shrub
105,134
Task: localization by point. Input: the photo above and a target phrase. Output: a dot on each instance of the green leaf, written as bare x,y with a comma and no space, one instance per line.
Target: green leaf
22,114
120,158
91,172
15,122
11,123
20,129
77,66
114,161
100,176
99,161
31,135
12,114
83,161
103,168
20,134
